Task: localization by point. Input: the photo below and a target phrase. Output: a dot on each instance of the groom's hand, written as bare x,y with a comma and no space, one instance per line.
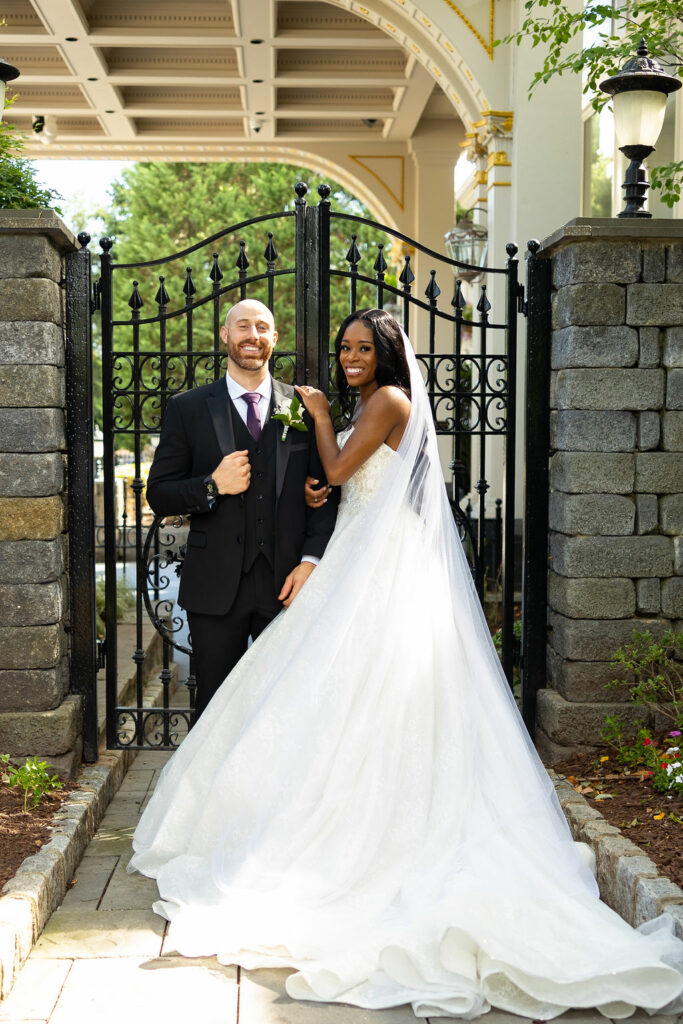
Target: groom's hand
233,473
315,496
294,582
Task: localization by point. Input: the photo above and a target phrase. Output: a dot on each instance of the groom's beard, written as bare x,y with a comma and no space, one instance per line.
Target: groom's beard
249,360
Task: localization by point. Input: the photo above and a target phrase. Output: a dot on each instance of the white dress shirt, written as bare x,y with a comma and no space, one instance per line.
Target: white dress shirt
265,390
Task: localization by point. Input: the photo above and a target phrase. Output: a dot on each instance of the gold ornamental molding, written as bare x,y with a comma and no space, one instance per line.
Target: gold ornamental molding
360,160
488,46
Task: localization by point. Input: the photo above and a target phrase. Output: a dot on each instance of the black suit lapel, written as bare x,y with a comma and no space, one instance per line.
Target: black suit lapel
280,393
218,404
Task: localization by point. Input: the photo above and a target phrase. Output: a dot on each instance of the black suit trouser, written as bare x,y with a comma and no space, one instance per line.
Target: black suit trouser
219,641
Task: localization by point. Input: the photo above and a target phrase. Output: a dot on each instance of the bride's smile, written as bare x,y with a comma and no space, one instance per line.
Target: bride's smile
357,355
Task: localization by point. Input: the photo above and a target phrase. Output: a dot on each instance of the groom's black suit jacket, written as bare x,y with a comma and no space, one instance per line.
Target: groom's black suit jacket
197,431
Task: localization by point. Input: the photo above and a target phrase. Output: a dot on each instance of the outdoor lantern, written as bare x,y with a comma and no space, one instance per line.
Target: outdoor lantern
467,242
7,74
639,93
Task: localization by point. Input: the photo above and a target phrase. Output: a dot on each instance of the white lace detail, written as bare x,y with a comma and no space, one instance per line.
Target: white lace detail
358,491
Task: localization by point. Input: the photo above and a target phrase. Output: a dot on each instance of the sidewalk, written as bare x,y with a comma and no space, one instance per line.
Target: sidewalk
103,955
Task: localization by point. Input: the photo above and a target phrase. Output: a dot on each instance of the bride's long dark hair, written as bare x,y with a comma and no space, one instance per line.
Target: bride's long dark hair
392,367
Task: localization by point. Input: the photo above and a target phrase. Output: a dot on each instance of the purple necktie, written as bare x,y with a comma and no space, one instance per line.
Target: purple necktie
252,399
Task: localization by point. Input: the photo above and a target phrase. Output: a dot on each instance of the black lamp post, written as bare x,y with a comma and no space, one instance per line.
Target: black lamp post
8,73
639,93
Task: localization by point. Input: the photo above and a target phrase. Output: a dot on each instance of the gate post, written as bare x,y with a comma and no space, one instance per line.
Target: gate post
79,434
536,454
323,296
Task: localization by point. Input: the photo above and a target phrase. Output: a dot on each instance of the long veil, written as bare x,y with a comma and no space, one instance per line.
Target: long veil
361,800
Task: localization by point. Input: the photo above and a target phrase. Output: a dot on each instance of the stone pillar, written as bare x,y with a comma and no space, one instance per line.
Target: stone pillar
616,468
37,714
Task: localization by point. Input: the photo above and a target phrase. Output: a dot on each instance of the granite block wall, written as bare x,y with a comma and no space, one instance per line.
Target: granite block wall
37,713
616,464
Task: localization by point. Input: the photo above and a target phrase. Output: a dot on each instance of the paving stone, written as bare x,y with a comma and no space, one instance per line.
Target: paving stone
128,892
654,304
593,431
111,842
588,472
136,783
602,514
646,513
672,431
592,305
594,262
594,346
35,991
659,472
637,557
88,934
122,812
673,347
649,429
175,991
610,389
263,1000
89,883
32,343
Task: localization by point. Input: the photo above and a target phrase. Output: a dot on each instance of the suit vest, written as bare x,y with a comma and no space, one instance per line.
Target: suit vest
259,498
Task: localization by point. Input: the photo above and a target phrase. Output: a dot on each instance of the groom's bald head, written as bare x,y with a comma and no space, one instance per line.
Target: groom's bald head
249,335
249,308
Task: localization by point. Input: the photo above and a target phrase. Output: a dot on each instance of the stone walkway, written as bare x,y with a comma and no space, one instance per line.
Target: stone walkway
103,956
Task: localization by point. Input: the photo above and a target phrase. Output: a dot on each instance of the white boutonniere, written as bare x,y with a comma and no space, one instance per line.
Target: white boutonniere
289,412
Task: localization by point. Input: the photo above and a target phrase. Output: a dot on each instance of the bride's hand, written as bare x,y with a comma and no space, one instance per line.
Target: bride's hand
314,400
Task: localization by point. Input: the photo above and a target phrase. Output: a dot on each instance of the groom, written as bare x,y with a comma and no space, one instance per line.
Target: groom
253,540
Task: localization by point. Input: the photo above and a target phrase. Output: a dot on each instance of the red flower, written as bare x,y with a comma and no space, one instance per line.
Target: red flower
647,743
648,774
663,764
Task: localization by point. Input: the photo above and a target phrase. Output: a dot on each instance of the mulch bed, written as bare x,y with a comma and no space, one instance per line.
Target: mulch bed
23,834
651,820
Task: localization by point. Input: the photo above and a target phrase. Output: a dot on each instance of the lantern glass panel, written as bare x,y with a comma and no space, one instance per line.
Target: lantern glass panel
639,116
3,88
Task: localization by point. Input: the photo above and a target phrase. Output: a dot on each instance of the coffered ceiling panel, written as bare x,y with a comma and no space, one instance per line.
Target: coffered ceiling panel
114,72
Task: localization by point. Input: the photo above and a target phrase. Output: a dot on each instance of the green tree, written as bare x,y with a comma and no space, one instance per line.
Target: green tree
613,32
18,187
161,208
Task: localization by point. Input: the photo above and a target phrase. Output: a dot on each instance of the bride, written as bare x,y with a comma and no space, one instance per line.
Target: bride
361,802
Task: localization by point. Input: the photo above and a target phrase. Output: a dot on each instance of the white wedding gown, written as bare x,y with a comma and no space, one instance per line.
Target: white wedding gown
361,802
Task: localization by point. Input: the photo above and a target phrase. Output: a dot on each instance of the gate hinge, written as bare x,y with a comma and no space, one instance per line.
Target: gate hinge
101,652
95,301
522,304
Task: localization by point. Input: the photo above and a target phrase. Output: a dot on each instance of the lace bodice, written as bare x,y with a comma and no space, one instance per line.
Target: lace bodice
358,491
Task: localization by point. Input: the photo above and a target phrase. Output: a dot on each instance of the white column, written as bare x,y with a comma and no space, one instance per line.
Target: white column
435,148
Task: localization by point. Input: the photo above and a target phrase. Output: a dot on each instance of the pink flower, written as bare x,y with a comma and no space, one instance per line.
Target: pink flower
676,732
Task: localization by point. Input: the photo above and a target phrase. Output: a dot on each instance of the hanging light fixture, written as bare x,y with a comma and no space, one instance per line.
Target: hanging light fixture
467,242
639,93
8,73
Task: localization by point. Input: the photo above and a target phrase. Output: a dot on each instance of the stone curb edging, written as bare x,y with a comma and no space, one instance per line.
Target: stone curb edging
38,887
629,881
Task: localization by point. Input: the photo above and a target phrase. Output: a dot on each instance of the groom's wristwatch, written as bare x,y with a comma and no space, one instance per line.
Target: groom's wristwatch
211,490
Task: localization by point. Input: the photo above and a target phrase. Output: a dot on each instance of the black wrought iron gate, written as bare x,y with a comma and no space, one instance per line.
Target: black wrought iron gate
160,324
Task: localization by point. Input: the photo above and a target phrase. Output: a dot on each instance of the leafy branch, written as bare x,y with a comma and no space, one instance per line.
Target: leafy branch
615,34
